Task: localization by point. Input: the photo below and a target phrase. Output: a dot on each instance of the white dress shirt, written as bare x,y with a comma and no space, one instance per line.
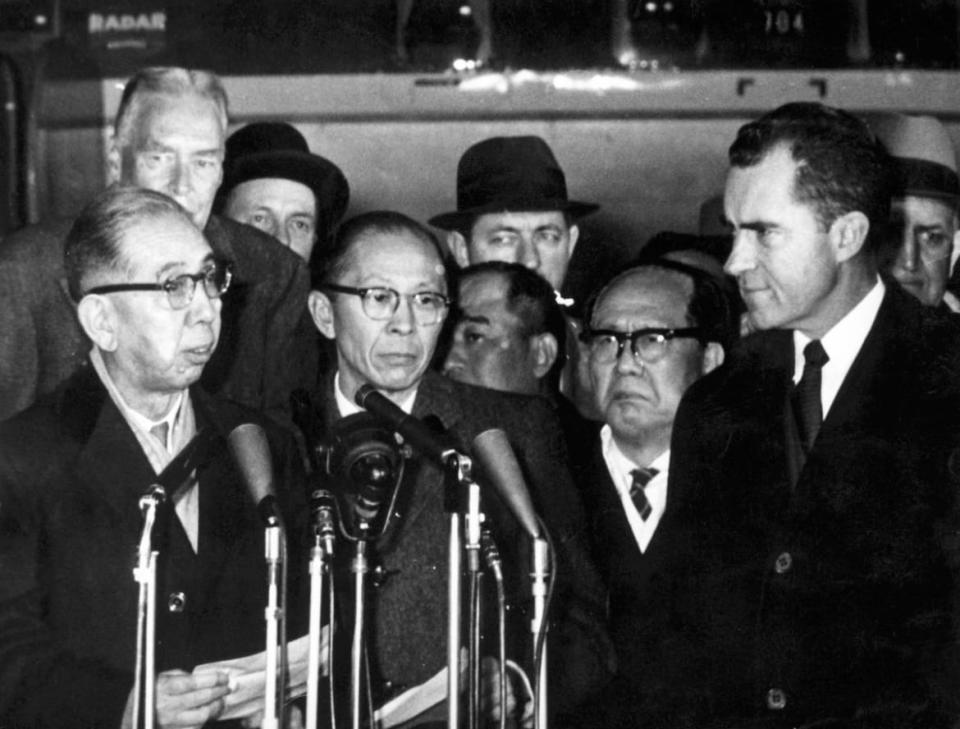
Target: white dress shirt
842,345
620,468
346,406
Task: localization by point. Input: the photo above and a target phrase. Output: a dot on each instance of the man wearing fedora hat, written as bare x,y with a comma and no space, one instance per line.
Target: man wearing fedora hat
273,182
512,206
923,216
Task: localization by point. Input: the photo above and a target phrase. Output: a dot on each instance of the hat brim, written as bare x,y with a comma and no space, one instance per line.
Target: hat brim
327,181
460,218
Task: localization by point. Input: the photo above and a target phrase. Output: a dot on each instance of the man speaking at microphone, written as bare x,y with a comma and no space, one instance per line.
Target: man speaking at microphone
383,299
74,466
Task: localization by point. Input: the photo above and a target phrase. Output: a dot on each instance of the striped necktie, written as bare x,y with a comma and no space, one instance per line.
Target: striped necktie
641,477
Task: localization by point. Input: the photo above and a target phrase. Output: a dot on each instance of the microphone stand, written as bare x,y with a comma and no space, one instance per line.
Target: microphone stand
321,556
273,554
360,567
473,519
145,574
540,576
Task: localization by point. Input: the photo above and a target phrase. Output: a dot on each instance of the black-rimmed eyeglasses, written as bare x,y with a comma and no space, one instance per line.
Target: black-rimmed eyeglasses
380,302
647,345
180,289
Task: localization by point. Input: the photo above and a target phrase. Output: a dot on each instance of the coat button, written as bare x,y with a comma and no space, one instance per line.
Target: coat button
783,563
776,699
176,602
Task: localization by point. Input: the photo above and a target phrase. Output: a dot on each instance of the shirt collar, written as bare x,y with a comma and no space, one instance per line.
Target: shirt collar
348,407
844,340
622,466
137,419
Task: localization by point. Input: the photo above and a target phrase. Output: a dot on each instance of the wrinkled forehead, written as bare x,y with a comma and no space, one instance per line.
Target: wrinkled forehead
395,257
164,243
652,293
925,210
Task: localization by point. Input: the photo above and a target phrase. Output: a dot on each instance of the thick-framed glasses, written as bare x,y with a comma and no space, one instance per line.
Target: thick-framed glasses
380,303
180,289
648,345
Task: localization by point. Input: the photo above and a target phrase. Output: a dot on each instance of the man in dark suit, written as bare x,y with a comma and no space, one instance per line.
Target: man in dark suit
74,466
817,587
169,136
650,333
383,299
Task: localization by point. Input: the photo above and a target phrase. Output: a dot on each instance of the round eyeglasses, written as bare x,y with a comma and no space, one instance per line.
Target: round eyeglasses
648,345
180,289
380,303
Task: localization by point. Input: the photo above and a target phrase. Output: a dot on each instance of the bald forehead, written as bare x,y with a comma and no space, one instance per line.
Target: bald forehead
645,287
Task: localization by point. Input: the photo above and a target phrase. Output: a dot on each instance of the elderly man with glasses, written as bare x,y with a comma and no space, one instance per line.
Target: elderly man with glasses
383,297
73,467
650,332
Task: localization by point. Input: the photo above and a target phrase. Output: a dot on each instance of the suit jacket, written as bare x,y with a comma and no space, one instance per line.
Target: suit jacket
407,627
264,352
71,476
637,587
818,589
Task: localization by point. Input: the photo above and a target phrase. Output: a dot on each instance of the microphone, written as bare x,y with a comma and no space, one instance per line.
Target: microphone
251,452
373,474
323,506
153,496
412,429
495,456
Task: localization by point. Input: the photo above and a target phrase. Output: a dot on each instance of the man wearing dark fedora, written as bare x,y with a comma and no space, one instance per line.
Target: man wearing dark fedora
273,182
512,206
923,216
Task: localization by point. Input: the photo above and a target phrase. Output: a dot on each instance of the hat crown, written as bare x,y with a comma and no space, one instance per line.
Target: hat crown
261,137
520,173
916,137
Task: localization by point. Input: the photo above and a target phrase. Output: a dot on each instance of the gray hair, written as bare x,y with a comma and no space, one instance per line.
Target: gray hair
93,245
170,81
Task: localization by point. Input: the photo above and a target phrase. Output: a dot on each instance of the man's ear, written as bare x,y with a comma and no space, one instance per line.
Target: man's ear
574,237
321,309
713,356
98,318
847,235
458,248
544,349
114,162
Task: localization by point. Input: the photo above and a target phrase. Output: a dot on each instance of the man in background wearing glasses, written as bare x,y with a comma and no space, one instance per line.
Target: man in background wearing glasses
73,468
923,216
383,298
650,332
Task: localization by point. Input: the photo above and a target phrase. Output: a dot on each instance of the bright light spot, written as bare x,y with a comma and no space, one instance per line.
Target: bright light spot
466,11
40,20
651,7
668,7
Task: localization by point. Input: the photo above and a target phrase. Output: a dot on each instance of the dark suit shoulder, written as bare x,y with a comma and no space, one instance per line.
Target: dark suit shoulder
256,255
39,245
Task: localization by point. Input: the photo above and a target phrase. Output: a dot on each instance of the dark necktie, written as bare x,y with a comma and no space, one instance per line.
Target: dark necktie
641,477
806,395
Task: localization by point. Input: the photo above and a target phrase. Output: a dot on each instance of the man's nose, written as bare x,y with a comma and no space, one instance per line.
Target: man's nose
627,363
180,181
742,255
402,320
529,255
203,308
908,254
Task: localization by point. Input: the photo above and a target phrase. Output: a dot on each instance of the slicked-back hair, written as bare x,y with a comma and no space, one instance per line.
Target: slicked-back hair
532,299
841,166
94,243
171,81
337,259
711,307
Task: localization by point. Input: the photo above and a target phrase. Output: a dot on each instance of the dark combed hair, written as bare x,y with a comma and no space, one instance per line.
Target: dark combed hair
712,306
93,244
841,166
532,299
335,260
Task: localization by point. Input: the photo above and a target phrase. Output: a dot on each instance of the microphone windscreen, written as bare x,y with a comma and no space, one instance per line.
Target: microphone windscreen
496,457
251,452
